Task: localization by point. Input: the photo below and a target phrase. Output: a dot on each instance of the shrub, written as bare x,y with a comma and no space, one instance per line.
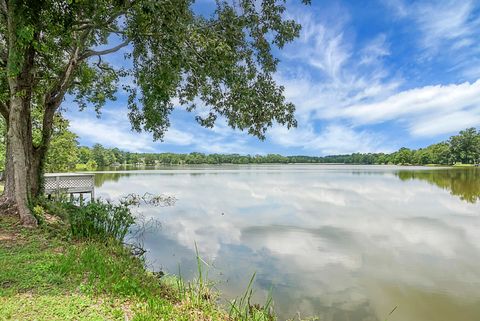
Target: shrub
98,220
101,220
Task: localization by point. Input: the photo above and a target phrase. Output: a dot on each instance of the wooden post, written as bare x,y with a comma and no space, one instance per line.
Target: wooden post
57,187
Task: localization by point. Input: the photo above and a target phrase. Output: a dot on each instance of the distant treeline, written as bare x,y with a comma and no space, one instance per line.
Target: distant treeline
65,154
462,148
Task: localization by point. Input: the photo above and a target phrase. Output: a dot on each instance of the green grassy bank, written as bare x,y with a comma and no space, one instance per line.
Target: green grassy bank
45,275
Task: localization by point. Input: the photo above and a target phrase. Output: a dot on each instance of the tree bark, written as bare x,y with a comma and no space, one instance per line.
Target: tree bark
20,149
19,138
24,164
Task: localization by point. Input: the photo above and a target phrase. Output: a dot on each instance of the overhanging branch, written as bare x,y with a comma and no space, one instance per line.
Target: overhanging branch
54,97
91,53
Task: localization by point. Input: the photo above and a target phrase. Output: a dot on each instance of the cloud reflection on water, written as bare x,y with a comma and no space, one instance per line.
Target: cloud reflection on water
343,243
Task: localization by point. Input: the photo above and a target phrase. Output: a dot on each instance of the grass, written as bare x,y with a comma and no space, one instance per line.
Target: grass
463,165
45,275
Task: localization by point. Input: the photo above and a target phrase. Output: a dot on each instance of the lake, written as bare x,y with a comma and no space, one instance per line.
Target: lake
335,241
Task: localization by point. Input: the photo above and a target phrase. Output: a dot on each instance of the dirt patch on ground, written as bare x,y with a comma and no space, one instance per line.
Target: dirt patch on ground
10,230
51,219
8,236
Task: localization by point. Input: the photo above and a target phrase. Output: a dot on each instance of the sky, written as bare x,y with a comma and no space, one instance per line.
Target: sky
365,76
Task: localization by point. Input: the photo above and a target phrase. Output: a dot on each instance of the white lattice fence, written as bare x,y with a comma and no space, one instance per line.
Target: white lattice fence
74,183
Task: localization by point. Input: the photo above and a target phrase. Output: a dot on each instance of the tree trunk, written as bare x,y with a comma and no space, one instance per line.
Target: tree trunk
23,161
35,174
9,188
19,157
23,168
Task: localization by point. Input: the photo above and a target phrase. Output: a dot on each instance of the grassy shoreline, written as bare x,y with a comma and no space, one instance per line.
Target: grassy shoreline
47,276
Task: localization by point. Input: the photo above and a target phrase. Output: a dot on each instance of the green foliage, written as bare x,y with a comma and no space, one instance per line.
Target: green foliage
465,147
223,60
102,156
62,154
91,165
98,220
101,221
462,183
243,309
403,156
84,155
44,277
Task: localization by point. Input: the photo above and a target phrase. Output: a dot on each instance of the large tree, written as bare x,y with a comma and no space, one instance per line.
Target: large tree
465,147
62,153
53,48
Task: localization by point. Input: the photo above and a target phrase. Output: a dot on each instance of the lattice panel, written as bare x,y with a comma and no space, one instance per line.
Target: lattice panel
53,183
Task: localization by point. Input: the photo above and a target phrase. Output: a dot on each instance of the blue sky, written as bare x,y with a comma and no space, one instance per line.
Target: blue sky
365,76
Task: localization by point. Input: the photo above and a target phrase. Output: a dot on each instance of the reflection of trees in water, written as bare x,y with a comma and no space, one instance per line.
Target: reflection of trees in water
464,183
101,178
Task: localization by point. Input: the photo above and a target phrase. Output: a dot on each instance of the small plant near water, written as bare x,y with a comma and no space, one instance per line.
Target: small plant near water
98,220
243,309
200,290
101,220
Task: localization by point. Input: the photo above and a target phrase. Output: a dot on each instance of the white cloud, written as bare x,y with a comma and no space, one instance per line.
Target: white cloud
359,90
446,123
445,29
178,137
110,135
446,21
429,110
334,139
343,73
321,46
375,50
114,130
398,6
349,76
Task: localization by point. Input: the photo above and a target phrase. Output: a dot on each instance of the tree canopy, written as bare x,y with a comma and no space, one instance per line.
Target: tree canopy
465,147
222,60
218,65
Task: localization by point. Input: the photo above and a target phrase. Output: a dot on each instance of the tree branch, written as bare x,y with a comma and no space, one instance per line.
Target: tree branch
54,97
91,53
88,24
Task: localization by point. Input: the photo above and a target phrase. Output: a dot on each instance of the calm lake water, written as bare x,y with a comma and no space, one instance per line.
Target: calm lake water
338,242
